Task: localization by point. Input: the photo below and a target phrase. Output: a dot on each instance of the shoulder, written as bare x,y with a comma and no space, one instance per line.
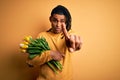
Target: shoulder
42,34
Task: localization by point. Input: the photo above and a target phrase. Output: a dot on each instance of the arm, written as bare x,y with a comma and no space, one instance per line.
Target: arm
45,57
40,59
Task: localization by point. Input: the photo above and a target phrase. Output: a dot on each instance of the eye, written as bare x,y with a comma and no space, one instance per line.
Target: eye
62,21
54,20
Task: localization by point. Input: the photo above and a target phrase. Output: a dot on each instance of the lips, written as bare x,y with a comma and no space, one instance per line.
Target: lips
57,29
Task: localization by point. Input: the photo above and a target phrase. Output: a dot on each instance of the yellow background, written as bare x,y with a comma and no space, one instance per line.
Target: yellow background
96,21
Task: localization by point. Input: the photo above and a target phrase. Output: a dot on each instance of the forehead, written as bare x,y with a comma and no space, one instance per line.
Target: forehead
58,16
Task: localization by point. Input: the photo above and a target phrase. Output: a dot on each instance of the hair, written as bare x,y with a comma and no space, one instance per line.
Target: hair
63,11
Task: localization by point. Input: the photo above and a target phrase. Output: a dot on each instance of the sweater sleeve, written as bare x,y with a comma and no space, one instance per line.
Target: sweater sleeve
40,59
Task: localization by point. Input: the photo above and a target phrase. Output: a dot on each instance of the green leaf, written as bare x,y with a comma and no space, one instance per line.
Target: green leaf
31,56
36,51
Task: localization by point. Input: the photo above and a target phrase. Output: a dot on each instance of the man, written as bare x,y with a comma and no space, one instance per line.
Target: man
62,41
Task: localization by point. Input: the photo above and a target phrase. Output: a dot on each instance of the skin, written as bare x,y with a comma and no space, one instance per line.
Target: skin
59,26
56,22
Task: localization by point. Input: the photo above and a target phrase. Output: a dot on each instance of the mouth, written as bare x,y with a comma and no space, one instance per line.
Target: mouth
57,29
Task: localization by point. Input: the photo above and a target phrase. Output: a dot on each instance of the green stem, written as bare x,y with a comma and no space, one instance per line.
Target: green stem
51,66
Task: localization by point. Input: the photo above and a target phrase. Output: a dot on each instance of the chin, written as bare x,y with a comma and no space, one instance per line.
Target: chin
57,32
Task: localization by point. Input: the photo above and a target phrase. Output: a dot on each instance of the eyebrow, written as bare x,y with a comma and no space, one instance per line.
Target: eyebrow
57,19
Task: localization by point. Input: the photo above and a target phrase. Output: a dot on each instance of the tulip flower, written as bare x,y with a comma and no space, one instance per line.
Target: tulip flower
23,50
24,46
27,38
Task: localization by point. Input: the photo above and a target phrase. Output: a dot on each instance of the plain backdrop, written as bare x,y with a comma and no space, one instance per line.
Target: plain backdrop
96,21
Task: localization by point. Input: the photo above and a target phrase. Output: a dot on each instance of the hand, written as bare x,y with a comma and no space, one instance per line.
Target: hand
72,41
56,55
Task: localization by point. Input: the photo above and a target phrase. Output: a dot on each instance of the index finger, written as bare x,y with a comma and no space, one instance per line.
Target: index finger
65,31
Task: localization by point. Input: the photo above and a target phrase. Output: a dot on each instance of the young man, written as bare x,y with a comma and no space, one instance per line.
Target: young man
62,41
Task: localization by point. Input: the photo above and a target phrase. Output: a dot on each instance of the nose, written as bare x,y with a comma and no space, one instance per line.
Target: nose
58,24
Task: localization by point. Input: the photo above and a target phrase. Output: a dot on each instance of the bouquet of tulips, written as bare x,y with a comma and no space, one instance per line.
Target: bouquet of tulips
35,47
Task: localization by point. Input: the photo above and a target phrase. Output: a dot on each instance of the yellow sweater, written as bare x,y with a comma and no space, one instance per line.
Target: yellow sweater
56,43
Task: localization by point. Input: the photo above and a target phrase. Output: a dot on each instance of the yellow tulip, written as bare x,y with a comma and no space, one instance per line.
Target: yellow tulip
27,38
25,42
23,50
24,46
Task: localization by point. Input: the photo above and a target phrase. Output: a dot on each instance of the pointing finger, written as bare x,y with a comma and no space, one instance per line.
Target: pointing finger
65,31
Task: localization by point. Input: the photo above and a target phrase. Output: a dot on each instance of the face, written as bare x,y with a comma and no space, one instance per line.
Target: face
56,22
